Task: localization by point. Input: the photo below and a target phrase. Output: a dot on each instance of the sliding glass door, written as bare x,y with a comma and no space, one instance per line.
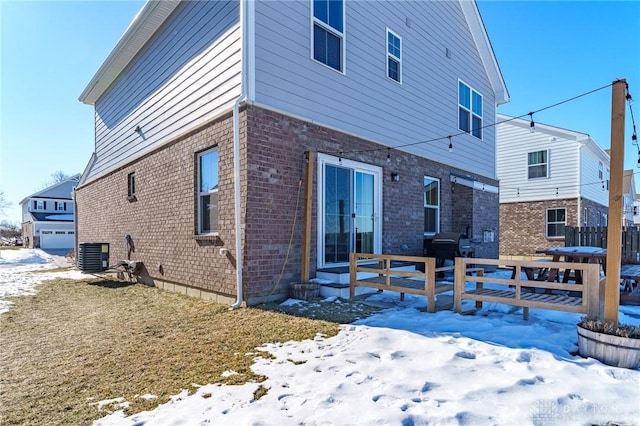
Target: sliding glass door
350,202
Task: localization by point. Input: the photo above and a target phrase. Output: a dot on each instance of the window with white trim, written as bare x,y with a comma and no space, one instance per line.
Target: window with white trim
556,221
538,164
431,205
39,205
328,32
60,206
469,110
394,56
208,192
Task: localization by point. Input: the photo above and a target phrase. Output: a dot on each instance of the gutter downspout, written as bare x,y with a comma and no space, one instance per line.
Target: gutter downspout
236,152
580,184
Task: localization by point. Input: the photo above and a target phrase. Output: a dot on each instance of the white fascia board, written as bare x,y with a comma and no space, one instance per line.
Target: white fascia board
547,129
140,30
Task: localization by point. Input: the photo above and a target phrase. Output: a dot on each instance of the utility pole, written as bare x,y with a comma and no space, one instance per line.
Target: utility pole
616,198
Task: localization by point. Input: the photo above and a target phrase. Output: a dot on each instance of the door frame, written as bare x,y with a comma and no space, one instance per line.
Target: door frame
376,171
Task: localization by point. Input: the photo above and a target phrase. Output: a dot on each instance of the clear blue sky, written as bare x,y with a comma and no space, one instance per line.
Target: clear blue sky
548,51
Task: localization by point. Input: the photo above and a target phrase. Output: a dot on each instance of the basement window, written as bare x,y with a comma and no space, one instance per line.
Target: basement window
131,186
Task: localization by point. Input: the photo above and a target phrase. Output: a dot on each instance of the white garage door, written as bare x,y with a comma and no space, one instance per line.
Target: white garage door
56,239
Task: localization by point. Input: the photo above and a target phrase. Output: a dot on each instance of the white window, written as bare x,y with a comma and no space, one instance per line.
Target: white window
328,33
431,205
60,206
469,110
39,205
556,221
538,164
208,192
394,56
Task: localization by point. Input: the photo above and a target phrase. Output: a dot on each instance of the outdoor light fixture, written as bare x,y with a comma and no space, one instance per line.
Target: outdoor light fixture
395,177
138,129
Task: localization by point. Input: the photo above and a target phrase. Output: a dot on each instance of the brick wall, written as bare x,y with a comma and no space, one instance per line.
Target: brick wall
273,194
523,226
162,221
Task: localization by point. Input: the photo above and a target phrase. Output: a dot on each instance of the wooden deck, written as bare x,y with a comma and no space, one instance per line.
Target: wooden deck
523,292
412,282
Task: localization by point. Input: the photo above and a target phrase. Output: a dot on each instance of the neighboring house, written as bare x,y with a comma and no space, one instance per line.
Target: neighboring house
47,216
636,210
204,111
629,198
549,178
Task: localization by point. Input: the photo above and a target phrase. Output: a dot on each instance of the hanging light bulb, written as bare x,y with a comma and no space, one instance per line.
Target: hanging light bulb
450,145
532,126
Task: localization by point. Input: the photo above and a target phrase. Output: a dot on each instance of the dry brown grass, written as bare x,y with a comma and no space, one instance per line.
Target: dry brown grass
76,343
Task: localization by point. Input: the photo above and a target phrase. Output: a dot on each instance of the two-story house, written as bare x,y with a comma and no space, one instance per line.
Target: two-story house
47,216
207,114
549,178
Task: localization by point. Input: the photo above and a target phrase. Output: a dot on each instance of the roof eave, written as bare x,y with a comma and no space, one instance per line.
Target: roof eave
485,49
140,30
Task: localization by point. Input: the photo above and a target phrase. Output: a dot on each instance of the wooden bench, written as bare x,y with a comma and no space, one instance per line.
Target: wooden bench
523,292
412,282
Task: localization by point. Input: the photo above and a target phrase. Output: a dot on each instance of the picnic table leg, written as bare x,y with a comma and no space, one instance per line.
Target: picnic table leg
479,285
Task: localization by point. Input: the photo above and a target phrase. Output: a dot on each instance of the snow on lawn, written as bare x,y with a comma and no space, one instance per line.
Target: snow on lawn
406,367
16,277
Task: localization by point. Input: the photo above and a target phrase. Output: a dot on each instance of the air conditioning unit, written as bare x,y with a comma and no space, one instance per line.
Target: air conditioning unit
93,257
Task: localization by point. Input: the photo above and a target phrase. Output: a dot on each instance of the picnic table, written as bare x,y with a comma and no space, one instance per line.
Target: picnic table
576,254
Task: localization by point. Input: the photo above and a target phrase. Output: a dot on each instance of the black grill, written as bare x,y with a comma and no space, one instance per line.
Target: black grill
448,245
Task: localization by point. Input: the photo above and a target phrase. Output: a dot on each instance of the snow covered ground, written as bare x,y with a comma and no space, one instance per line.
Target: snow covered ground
16,267
404,367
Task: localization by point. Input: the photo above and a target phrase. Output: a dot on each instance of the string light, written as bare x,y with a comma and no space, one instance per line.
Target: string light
532,126
461,133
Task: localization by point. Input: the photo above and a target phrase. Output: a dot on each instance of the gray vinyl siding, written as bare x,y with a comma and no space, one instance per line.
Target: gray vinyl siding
363,101
188,73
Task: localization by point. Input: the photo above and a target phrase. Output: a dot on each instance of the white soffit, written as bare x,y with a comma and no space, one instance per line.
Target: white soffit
142,28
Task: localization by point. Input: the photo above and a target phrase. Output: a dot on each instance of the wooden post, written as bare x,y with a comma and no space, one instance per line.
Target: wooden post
616,197
306,222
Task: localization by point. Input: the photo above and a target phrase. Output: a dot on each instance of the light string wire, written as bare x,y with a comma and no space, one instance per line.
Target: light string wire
530,114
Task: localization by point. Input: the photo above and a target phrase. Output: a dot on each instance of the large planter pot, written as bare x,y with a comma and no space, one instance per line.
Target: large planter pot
609,349
304,291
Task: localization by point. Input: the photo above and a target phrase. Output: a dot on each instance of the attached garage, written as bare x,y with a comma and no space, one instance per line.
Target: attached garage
56,239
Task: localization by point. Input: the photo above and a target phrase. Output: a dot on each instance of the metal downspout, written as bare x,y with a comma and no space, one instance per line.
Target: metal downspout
236,153
579,186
